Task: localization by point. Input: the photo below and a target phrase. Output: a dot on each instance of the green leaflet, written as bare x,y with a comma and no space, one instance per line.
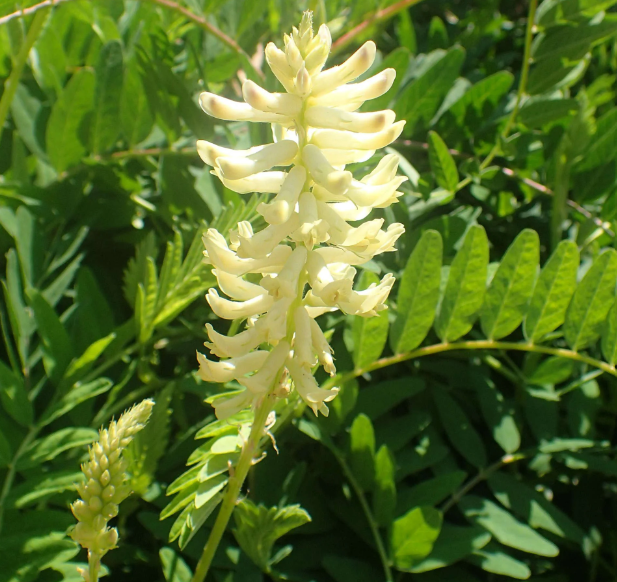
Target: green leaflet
174,567
492,560
105,122
465,288
362,451
258,528
418,294
384,494
369,333
413,536
459,429
442,162
505,528
552,293
453,544
66,132
510,289
591,302
419,100
13,396
609,336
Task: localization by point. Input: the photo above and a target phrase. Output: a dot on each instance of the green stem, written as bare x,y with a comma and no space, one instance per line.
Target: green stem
13,81
94,567
560,197
236,480
522,87
471,345
385,562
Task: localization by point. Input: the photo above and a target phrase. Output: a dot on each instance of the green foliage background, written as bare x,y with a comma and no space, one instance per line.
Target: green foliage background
474,436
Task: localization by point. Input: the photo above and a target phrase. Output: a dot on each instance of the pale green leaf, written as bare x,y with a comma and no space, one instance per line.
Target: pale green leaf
511,287
413,536
552,293
384,494
174,567
591,302
442,163
465,288
492,560
362,451
418,294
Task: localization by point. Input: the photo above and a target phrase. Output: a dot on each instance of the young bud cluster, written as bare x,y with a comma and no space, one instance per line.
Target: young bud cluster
105,486
309,239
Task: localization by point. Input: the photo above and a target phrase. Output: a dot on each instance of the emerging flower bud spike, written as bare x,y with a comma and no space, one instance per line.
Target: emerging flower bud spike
306,252
106,486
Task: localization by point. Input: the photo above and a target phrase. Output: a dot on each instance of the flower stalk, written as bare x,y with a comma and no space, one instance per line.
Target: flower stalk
303,263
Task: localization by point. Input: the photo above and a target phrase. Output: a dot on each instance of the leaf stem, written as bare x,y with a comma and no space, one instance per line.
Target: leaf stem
10,87
377,16
236,479
471,345
367,512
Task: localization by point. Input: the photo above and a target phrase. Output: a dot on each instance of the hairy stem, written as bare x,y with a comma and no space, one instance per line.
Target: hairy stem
236,479
20,61
471,345
560,197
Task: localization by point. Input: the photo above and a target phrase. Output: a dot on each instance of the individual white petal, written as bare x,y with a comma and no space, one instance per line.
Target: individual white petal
336,255
382,242
228,370
383,172
368,302
367,195
274,323
281,103
372,88
279,210
262,381
336,139
277,61
233,346
226,406
280,153
322,347
338,229
229,110
314,311
343,157
303,345
307,388
324,284
303,82
332,118
219,254
262,244
209,152
236,287
285,284
316,58
350,212
313,230
266,182
292,54
323,173
353,67
227,309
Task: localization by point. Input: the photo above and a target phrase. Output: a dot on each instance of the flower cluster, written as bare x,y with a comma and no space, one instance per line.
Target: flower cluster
309,239
106,484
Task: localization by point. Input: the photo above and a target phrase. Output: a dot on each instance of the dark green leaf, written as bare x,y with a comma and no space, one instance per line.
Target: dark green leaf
362,451
384,494
459,429
13,396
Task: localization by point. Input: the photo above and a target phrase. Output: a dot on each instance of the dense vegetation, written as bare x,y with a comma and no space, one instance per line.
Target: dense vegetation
474,434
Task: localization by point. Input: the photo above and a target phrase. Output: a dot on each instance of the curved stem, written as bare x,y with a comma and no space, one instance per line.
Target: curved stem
378,16
12,82
471,345
233,488
385,562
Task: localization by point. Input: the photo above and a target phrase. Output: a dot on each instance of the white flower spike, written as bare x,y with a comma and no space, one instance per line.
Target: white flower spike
308,241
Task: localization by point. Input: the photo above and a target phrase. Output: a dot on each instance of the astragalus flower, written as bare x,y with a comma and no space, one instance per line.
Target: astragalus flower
309,239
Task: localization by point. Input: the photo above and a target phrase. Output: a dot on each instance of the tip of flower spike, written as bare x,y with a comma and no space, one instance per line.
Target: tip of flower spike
306,24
